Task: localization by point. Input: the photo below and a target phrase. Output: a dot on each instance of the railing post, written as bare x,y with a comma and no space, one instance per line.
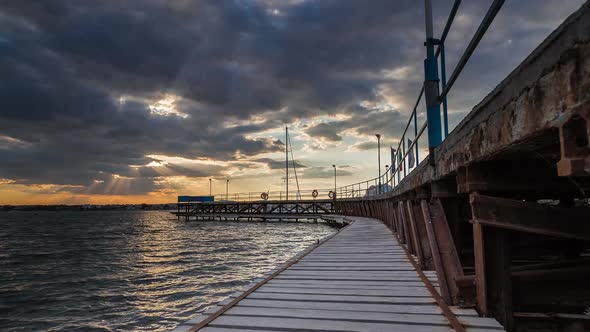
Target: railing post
443,73
416,137
431,91
404,155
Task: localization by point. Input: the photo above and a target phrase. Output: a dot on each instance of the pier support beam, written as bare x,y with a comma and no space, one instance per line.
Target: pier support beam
493,274
571,223
525,178
435,252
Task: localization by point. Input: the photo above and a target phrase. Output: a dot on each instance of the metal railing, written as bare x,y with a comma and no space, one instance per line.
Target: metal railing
361,189
406,156
278,195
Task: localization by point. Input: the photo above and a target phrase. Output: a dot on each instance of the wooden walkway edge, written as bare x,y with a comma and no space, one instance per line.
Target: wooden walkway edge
359,279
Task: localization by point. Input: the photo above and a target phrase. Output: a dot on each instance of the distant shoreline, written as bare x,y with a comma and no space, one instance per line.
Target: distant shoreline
90,207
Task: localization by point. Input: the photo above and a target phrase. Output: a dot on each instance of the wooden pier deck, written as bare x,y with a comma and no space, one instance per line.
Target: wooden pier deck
359,279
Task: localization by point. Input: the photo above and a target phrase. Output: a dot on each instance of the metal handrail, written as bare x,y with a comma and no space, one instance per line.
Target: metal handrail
446,87
450,21
481,30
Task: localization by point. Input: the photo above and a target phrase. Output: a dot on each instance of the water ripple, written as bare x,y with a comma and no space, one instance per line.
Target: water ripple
140,271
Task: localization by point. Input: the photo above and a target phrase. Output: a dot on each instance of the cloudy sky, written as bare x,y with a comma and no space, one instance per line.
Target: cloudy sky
140,100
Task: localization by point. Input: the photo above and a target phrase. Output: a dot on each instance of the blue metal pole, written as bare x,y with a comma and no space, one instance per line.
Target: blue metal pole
379,160
443,76
431,85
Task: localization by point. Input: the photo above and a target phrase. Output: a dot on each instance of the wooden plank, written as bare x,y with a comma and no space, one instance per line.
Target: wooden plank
341,298
419,319
480,269
379,243
449,256
481,324
344,269
352,249
403,287
393,264
390,220
458,311
414,233
344,278
223,329
498,277
356,260
423,238
402,228
319,324
523,178
393,253
346,282
378,317
353,257
359,250
390,264
435,252
405,292
391,208
530,217
343,306
407,229
394,274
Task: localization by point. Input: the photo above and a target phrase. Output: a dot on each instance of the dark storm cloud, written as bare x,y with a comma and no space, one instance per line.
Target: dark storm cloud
372,145
362,122
66,65
329,131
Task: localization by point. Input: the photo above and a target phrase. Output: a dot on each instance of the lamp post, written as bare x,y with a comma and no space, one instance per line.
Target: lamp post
209,187
227,189
334,181
386,174
379,158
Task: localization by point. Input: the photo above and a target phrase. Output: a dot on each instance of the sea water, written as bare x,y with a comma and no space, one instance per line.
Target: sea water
130,270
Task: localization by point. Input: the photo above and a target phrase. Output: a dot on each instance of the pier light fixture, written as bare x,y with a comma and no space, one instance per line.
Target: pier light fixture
210,187
227,189
379,159
386,174
334,179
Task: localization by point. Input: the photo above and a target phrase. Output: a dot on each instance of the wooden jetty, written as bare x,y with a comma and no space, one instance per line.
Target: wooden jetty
359,279
293,209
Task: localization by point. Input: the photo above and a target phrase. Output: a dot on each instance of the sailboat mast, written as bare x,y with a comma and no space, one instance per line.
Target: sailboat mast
287,161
